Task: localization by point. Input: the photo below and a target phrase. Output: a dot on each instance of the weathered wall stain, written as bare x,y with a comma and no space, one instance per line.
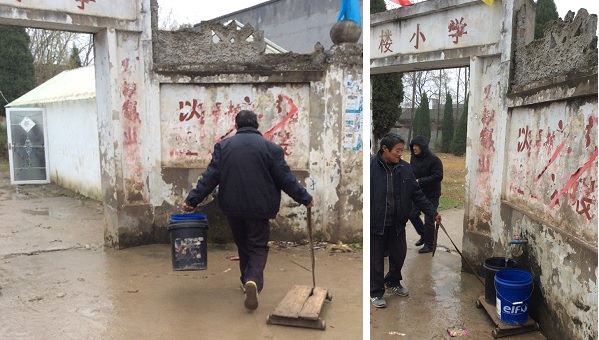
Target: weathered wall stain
300,100
552,169
190,130
134,185
565,277
551,173
483,122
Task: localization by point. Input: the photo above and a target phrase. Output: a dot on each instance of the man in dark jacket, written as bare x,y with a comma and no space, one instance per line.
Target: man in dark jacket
428,170
251,172
393,189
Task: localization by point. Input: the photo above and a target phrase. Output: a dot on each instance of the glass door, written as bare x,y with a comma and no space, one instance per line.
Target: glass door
27,146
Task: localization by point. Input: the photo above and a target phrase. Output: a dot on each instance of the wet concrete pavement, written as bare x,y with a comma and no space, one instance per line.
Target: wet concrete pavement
57,281
441,296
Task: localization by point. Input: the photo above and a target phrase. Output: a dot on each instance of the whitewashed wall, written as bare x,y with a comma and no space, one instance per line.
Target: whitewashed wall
73,146
552,165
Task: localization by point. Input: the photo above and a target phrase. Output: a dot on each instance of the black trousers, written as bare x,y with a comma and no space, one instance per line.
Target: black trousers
426,230
396,245
251,237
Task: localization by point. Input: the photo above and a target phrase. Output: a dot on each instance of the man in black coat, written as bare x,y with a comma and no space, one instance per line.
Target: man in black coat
251,172
393,189
428,170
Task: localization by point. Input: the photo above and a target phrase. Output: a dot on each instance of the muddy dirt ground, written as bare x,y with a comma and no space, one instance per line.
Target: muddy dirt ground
57,281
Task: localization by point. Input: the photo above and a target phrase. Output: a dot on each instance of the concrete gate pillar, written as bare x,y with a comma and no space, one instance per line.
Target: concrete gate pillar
340,126
488,121
125,110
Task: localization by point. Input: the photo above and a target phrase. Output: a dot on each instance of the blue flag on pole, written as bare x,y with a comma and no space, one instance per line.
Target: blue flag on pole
350,10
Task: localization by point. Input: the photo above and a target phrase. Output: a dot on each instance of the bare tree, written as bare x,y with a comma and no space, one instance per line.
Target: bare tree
166,20
462,82
436,84
415,85
86,49
51,51
466,79
441,88
457,98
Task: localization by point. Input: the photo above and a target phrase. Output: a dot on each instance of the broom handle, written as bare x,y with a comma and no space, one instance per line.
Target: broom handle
311,245
459,252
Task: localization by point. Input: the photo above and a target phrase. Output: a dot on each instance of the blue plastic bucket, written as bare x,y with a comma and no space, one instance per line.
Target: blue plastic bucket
189,234
513,287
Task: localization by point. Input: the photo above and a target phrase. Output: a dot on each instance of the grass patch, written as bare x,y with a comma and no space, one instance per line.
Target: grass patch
454,177
445,203
4,167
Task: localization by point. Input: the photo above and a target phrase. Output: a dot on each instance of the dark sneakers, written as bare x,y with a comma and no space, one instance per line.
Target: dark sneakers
251,295
425,249
419,242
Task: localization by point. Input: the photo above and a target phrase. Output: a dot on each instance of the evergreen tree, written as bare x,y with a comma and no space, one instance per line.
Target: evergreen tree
416,123
17,74
377,6
387,92
458,146
422,119
546,11
74,59
447,130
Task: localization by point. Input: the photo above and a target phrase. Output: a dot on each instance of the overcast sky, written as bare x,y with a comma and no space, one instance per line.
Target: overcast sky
563,6
192,12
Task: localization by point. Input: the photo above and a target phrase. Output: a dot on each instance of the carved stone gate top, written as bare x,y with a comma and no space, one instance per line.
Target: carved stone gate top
434,34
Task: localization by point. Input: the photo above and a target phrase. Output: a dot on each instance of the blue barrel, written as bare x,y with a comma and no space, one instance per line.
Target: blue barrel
189,236
514,287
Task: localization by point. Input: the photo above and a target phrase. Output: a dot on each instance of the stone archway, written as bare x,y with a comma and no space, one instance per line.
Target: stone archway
528,100
123,50
417,37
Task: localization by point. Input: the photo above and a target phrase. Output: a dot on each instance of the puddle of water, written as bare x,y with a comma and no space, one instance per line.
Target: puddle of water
58,213
41,211
17,196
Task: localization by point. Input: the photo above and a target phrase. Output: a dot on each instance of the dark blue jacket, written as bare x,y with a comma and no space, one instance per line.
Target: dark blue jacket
406,191
427,167
251,172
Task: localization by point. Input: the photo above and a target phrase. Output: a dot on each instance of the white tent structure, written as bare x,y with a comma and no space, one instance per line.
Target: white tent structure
69,101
